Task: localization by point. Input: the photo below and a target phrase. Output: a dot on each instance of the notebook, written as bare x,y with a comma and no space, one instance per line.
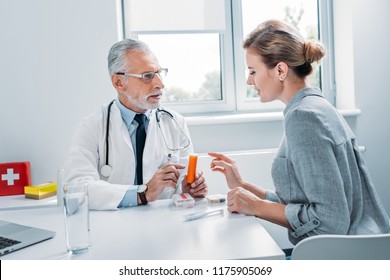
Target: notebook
15,236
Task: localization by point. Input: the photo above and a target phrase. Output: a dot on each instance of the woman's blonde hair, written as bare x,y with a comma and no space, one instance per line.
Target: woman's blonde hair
275,41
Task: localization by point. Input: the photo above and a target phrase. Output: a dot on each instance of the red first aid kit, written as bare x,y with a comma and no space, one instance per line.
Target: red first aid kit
14,176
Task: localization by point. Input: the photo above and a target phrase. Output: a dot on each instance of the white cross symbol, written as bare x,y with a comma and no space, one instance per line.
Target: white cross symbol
10,177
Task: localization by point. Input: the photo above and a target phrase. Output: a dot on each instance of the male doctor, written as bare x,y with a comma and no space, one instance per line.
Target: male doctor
121,151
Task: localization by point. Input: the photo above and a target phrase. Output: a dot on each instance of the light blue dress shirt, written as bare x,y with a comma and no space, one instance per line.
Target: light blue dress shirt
131,196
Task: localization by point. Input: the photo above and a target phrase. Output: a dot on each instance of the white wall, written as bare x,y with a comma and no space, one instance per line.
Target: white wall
53,72
372,59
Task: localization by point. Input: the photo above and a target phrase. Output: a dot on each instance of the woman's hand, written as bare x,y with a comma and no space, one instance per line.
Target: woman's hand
228,167
243,201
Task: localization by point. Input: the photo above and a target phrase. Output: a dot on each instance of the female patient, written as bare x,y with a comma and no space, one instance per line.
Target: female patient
321,181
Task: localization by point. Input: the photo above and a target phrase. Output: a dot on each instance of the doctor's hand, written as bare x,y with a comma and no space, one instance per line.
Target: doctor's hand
198,188
228,167
166,176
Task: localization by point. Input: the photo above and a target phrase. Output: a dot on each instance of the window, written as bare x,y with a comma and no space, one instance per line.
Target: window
302,14
200,41
195,77
194,41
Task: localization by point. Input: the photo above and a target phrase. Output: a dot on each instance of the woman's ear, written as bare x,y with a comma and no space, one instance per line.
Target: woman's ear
282,70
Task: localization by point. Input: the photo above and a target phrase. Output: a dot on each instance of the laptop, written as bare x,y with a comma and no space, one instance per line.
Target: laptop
16,236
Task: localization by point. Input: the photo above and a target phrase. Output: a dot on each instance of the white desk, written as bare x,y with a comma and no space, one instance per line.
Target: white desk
13,202
155,231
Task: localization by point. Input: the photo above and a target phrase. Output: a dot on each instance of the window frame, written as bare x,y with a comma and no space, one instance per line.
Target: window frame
232,69
326,27
227,103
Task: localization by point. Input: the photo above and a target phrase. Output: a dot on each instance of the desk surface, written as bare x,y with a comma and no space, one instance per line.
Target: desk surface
155,231
13,202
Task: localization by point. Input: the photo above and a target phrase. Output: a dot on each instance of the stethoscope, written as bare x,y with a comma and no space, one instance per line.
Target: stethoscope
106,169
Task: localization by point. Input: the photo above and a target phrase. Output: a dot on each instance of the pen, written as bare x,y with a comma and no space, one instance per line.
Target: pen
195,216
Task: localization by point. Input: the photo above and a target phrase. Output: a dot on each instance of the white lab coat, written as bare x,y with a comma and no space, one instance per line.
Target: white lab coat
88,154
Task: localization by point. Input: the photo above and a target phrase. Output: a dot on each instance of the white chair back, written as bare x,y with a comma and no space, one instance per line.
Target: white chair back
343,247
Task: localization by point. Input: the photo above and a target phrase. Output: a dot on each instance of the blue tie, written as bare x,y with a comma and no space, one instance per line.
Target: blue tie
140,144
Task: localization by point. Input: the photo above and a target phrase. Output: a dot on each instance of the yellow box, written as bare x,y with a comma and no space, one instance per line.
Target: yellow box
40,191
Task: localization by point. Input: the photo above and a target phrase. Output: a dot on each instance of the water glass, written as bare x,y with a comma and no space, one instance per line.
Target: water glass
76,210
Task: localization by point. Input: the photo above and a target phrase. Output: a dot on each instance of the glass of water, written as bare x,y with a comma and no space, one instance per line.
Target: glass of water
76,212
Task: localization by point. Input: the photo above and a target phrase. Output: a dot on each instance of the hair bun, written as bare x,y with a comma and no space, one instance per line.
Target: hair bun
314,51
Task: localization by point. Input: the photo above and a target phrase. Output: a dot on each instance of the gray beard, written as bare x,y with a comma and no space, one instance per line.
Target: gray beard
142,104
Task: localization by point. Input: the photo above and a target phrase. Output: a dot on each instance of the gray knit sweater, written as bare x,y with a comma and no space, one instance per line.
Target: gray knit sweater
320,175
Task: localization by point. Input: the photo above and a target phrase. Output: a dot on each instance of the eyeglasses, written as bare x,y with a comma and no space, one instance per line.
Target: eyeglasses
148,76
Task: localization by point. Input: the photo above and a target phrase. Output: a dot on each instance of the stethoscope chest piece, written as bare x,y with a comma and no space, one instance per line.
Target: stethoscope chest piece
106,170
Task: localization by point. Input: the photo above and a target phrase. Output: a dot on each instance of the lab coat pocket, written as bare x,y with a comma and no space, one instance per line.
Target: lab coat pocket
281,178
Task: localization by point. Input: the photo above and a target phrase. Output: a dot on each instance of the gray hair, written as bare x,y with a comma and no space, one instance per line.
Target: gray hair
117,55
